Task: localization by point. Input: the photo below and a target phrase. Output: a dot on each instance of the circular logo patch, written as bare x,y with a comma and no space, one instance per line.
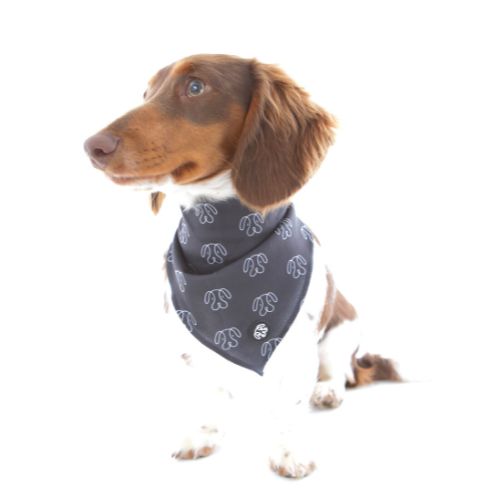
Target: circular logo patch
260,331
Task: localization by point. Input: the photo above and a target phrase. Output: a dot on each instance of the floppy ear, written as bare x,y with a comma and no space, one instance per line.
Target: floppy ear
156,201
284,139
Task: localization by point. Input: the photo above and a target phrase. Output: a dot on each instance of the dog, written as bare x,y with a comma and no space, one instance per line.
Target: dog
234,139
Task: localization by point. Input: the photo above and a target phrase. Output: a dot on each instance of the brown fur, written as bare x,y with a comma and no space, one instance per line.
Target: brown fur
336,309
144,154
343,310
187,138
285,136
372,368
252,119
157,200
328,308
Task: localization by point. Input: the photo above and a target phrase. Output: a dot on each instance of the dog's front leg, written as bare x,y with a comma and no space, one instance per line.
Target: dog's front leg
290,392
204,404
290,454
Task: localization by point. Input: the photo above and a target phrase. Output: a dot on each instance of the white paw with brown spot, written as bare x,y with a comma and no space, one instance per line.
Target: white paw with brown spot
327,395
199,444
290,464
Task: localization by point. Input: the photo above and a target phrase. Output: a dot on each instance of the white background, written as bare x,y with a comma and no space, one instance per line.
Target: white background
409,197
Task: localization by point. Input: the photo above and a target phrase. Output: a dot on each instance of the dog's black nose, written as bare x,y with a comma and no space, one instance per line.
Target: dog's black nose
100,148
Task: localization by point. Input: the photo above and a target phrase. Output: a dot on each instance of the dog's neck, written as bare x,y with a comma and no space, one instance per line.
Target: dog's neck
212,234
215,223
217,188
238,277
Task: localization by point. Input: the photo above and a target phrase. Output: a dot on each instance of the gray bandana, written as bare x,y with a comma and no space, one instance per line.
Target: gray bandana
238,278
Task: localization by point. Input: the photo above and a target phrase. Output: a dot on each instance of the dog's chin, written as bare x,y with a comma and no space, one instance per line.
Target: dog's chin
139,183
153,182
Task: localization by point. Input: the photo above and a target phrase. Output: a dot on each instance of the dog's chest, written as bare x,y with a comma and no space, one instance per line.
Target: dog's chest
238,278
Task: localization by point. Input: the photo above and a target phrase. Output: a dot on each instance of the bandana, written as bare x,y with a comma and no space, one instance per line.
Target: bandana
238,278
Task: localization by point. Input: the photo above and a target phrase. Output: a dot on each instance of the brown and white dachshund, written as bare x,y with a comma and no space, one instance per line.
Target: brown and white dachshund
218,127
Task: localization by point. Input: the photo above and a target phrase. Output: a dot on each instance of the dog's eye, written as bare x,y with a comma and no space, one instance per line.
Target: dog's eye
195,88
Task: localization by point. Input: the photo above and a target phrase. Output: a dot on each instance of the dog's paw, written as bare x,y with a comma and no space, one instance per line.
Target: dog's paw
287,463
198,444
327,395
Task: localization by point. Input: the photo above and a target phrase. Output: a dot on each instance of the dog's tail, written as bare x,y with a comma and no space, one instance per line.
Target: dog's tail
373,368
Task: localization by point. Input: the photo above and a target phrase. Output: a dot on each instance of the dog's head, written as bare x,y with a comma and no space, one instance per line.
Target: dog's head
210,113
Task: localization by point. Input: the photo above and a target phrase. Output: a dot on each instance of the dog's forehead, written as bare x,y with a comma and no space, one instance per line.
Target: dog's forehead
177,68
229,74
160,75
207,64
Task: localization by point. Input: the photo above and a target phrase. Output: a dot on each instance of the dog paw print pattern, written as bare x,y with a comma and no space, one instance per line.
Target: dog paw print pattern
238,277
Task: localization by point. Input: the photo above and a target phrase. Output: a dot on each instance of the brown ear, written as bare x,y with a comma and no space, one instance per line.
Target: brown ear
284,139
156,201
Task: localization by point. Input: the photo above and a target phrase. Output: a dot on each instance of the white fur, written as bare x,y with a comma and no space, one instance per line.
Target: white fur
335,353
216,188
284,389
